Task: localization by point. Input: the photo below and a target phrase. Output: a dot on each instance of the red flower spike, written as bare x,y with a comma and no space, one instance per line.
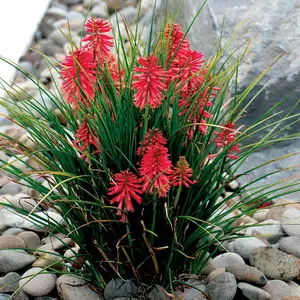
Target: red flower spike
125,188
98,41
175,36
155,168
78,75
226,137
85,138
181,174
149,83
152,137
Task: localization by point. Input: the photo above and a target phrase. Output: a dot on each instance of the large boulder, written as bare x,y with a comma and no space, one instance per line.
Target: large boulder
272,26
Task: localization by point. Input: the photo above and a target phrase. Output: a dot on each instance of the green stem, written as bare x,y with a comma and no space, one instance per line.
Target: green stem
177,197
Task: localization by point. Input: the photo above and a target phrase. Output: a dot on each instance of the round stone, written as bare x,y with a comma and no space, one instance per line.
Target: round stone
11,242
35,282
222,287
12,260
261,215
277,289
290,245
9,283
244,246
227,259
214,274
253,292
290,221
274,263
31,239
248,274
25,202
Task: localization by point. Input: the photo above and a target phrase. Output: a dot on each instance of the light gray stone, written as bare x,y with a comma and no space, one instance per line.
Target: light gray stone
99,10
273,29
227,259
12,231
214,274
290,221
14,260
274,263
295,288
252,292
277,289
268,229
57,12
72,288
25,202
222,287
244,246
290,245
248,274
36,282
11,241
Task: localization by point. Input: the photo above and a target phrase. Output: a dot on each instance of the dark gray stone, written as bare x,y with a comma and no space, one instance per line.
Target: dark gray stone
157,292
10,282
12,260
223,287
252,292
118,288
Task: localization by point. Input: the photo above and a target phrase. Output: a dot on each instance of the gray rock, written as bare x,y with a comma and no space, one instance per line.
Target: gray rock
49,48
31,239
295,288
223,287
4,296
72,288
45,298
119,288
73,14
290,245
57,12
12,231
26,66
248,274
11,242
227,259
290,221
244,246
36,282
214,274
10,188
252,292
12,260
70,2
269,229
10,282
157,292
274,263
25,202
99,10
277,289
3,119
272,26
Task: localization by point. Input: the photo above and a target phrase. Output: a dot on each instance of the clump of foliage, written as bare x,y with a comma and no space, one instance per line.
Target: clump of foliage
150,143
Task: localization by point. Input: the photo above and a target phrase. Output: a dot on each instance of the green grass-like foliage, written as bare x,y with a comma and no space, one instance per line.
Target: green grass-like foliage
164,236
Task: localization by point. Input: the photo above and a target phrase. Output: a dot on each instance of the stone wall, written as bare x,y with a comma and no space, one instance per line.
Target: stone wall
273,26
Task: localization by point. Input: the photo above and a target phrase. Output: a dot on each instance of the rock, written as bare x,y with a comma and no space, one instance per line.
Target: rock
99,10
10,188
290,245
57,12
26,66
248,274
12,260
49,48
227,259
4,297
252,292
46,298
73,14
48,258
269,229
208,267
55,242
223,287
190,293
276,212
214,274
274,263
119,288
233,185
11,242
290,221
277,289
72,288
3,116
18,162
244,246
291,298
25,202
261,215
61,36
295,288
157,292
10,282
31,239
36,282
70,2
12,231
